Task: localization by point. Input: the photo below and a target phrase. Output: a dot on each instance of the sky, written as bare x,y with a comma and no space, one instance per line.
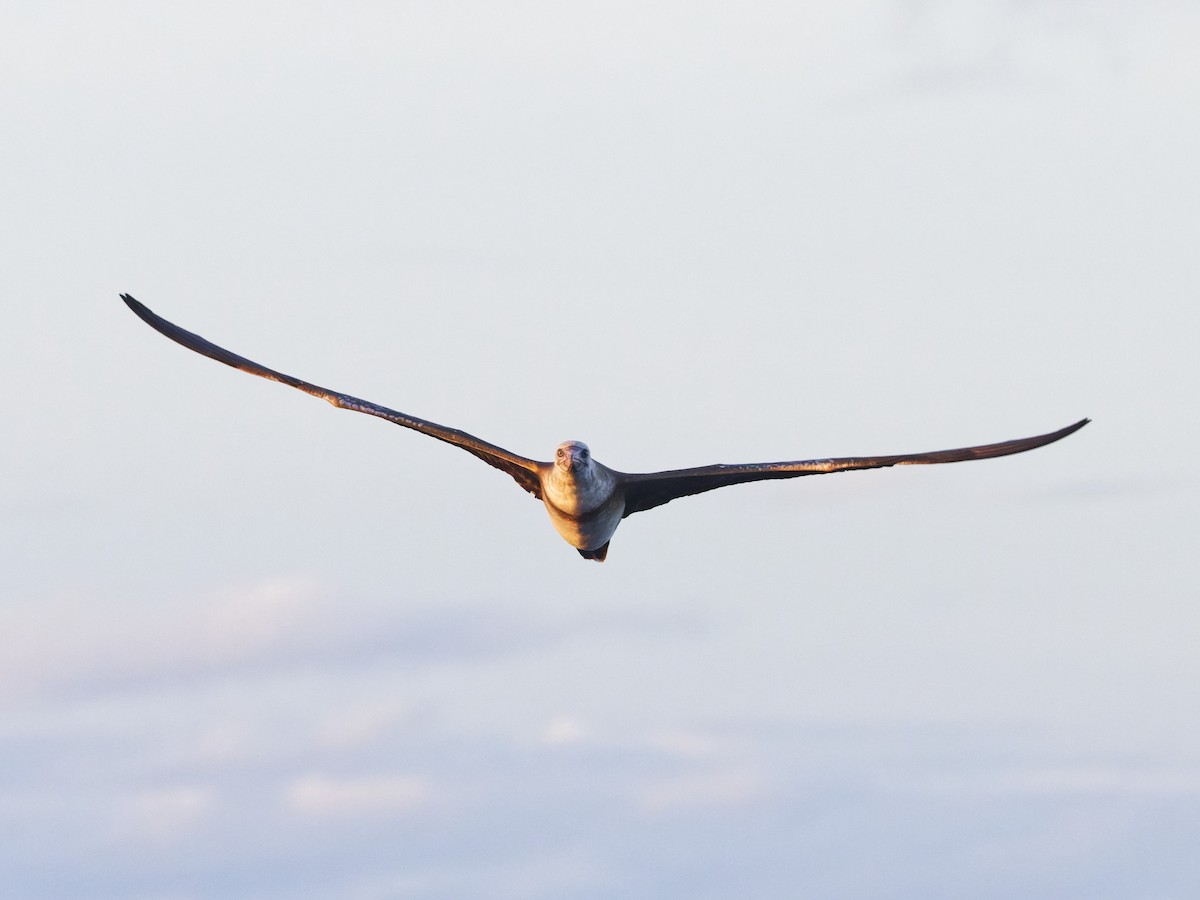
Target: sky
254,647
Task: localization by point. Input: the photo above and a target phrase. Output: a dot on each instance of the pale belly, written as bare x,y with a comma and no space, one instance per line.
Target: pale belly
590,530
587,513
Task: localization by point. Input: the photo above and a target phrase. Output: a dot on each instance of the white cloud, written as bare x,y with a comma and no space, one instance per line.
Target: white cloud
73,645
563,730
679,743
554,873
225,742
948,41
243,621
363,723
322,796
734,788
70,642
688,744
164,815
1084,779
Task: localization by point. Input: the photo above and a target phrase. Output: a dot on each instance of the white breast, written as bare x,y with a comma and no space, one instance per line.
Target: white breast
585,510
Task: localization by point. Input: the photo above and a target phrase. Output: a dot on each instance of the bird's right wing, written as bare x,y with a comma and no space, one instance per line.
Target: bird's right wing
524,471
646,491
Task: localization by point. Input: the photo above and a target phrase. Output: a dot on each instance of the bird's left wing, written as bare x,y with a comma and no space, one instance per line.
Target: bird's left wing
524,471
646,491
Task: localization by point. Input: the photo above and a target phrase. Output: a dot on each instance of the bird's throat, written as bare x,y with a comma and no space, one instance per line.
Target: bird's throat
580,490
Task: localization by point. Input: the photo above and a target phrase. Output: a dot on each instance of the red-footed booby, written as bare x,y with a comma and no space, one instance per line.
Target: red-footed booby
585,499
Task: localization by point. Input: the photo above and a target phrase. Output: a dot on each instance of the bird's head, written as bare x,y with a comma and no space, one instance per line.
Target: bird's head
573,457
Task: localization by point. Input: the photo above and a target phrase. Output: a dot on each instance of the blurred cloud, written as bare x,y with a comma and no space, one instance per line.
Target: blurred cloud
701,790
564,730
63,645
687,744
547,874
364,723
67,647
222,743
1102,780
994,41
323,796
166,815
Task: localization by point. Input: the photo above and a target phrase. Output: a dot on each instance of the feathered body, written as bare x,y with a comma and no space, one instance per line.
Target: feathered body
585,499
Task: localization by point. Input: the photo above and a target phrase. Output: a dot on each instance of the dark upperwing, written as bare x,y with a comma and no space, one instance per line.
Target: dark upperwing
524,471
646,491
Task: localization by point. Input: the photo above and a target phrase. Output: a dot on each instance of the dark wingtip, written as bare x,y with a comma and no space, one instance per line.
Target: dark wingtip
143,313
1063,432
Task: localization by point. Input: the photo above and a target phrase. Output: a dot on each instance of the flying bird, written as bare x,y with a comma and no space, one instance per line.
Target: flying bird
587,500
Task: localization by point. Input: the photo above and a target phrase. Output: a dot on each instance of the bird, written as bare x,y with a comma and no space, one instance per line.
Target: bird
586,500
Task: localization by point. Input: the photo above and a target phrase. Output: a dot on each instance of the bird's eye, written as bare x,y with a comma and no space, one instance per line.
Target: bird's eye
560,452
583,454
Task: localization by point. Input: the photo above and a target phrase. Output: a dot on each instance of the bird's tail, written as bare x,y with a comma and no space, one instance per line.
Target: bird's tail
598,554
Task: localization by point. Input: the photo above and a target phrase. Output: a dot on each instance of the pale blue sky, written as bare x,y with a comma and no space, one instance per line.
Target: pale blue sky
252,647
